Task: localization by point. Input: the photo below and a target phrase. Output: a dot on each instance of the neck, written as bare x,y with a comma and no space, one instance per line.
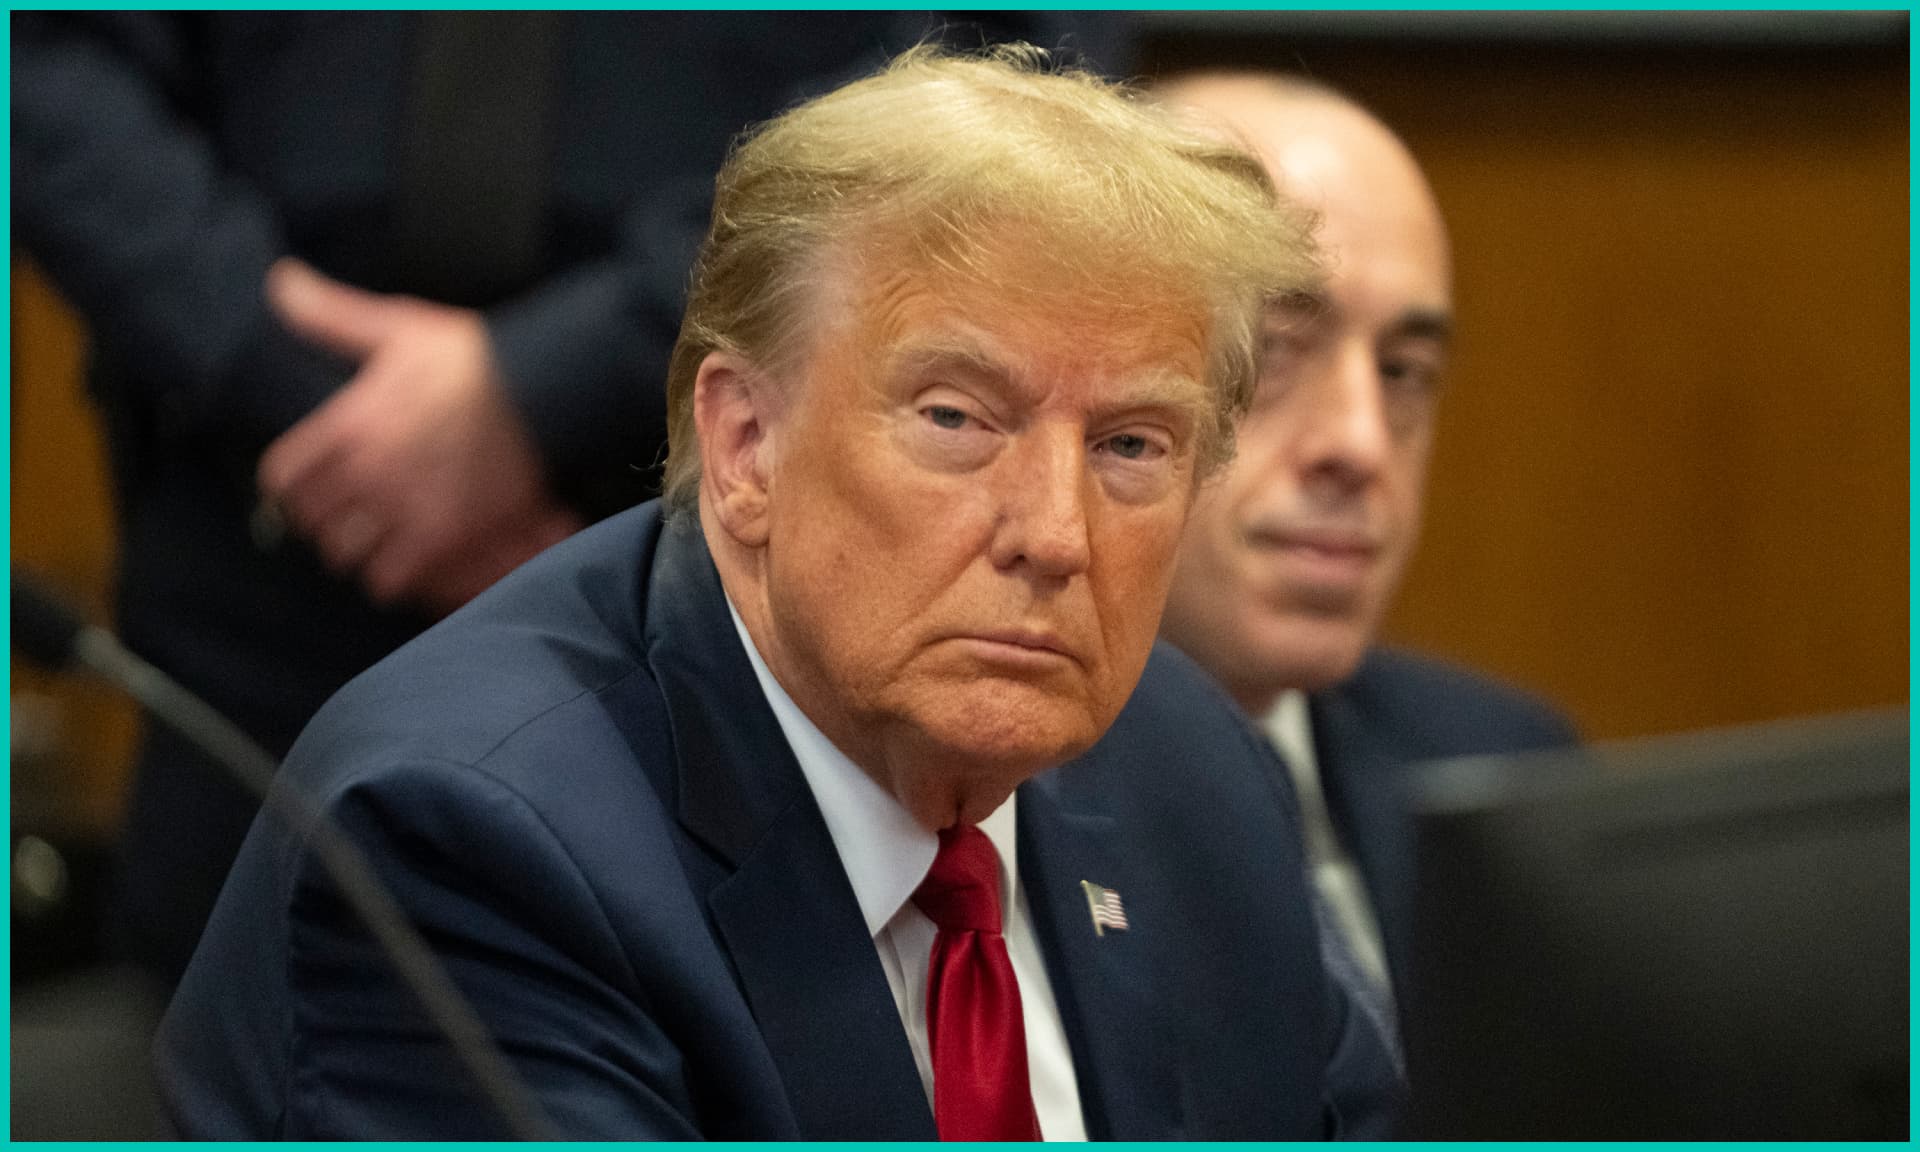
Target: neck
1255,701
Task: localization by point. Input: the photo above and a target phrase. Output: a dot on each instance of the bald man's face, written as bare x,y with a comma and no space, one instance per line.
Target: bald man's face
1291,558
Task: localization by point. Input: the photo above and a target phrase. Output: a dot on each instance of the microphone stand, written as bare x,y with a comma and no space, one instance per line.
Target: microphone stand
47,631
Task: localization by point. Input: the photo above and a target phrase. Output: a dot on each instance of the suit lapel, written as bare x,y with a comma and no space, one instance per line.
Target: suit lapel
1105,985
828,1019
786,912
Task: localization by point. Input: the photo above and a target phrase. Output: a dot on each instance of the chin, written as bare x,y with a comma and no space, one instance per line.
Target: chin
1309,654
1012,729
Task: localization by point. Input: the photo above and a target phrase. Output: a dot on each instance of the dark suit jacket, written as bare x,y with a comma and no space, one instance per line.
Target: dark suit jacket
579,792
162,161
1400,710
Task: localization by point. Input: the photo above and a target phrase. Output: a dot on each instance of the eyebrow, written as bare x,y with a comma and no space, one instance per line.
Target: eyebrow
1418,323
963,357
1153,389
1429,323
1314,303
1170,390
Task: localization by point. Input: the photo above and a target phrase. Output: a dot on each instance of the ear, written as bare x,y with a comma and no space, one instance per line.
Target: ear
732,407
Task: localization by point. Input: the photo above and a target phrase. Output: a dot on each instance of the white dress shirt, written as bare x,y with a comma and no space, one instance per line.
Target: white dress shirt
886,855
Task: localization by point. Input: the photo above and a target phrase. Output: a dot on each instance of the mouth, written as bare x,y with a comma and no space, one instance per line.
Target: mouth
1018,647
1329,556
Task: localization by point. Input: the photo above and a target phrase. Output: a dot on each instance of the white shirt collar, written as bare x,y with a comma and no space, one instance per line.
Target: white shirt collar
1290,726
885,852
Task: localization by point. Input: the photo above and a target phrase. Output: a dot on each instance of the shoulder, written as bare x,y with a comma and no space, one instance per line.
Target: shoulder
1448,708
544,670
1182,750
500,775
1174,681
1178,703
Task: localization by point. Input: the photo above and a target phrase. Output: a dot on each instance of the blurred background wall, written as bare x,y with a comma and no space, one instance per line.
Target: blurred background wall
1670,488
1670,485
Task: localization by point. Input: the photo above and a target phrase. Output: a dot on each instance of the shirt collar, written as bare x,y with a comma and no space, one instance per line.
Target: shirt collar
1290,726
885,852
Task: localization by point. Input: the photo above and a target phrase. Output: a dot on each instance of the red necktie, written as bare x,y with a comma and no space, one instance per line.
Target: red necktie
980,1087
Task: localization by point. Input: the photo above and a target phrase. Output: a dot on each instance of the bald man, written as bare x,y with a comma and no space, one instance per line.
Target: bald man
1292,556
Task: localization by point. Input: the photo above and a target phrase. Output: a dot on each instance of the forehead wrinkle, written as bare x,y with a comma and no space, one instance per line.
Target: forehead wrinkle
1157,388
918,322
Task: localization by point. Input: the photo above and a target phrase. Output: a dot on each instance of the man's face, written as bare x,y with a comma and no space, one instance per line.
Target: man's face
1292,557
975,503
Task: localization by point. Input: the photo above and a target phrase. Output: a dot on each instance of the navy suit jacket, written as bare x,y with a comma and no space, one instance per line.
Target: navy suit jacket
576,788
1397,711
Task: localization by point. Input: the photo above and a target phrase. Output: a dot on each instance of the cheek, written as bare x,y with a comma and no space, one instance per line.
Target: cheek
1140,555
857,501
902,503
1212,538
1209,570
1214,558
880,550
1406,491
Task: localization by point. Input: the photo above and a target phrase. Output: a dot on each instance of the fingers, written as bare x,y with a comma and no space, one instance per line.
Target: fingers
350,321
456,577
318,479
342,521
312,475
437,568
291,464
551,528
396,571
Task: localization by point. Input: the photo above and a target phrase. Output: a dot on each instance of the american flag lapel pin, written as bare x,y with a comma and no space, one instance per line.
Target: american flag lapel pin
1104,905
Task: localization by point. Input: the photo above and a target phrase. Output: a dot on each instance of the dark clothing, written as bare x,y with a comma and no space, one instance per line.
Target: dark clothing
1400,710
163,161
578,790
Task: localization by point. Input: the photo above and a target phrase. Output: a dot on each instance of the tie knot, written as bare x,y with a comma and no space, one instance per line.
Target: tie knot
962,890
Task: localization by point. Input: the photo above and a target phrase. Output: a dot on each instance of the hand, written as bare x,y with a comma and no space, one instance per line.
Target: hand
417,476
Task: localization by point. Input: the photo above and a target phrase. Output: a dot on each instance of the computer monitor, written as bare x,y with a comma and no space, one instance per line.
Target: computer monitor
1690,937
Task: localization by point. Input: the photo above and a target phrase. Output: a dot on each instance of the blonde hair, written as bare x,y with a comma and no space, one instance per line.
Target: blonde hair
943,152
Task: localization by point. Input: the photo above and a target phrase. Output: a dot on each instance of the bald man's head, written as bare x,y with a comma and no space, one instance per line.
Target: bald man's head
1292,557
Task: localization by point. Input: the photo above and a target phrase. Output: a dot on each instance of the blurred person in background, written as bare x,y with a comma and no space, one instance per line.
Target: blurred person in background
379,306
1293,554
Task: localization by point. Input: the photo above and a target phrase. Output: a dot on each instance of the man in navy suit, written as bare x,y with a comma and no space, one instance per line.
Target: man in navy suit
844,793
1291,559
379,304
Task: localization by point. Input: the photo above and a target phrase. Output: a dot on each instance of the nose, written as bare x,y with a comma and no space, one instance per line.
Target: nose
1042,525
1343,439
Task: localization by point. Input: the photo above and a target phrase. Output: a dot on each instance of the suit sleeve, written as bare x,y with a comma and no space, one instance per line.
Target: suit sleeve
124,201
584,355
519,932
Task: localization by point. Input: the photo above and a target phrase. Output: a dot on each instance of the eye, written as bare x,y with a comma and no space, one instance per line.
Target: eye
1281,349
942,416
1132,446
1409,375
1284,359
1412,379
1410,387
